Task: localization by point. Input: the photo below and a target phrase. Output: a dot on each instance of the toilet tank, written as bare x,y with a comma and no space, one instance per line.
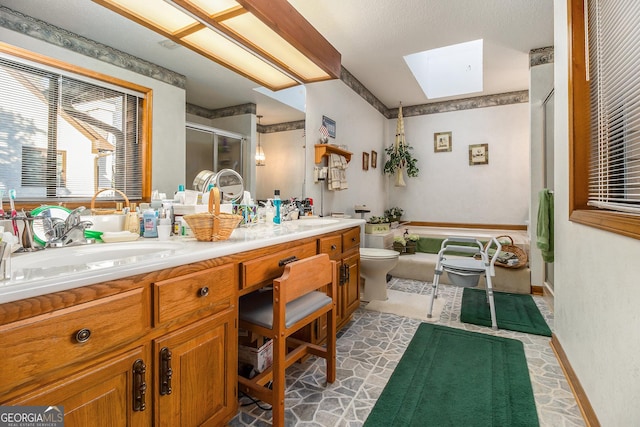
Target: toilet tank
380,241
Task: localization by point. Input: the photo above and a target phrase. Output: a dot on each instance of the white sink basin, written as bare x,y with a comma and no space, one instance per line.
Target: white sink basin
312,222
91,254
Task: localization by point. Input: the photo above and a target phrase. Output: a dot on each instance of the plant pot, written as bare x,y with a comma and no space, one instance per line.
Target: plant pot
400,179
411,247
376,228
399,247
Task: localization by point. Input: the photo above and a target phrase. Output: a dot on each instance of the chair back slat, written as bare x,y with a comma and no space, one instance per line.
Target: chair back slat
304,276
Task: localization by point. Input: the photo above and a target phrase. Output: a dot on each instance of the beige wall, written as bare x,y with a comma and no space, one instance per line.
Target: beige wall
448,189
597,294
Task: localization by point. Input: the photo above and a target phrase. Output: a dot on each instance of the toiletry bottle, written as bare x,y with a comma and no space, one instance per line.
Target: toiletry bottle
276,203
269,212
179,196
150,223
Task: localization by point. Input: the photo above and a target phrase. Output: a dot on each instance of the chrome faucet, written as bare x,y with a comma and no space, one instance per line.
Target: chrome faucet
67,233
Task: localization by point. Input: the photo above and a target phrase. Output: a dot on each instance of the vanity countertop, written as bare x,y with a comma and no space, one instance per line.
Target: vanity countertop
54,270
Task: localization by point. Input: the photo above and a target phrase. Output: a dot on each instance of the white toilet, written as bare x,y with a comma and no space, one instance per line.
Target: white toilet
374,265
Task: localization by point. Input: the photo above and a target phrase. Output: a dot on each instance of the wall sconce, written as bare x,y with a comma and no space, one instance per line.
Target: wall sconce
260,157
268,42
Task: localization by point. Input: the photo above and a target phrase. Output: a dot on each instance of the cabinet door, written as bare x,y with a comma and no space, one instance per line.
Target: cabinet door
114,393
351,287
196,373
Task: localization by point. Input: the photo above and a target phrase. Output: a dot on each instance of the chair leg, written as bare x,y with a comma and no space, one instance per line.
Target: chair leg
434,293
492,306
279,384
331,345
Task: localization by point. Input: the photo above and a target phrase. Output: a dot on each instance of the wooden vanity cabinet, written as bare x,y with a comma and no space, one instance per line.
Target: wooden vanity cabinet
159,348
196,365
88,358
161,352
349,286
344,249
197,373
102,395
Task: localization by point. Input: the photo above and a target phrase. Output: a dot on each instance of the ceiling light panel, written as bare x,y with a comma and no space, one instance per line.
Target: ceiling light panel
267,42
260,35
214,7
218,48
157,13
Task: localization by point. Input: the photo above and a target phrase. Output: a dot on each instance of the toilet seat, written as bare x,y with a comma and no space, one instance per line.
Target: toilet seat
375,253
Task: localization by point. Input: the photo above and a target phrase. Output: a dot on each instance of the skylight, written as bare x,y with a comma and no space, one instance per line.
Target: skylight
295,97
448,71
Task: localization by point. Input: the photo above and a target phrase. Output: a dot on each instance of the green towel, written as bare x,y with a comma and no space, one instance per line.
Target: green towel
544,235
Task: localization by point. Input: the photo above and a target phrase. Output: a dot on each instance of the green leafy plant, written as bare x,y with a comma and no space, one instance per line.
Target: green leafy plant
378,220
394,212
400,240
413,237
400,157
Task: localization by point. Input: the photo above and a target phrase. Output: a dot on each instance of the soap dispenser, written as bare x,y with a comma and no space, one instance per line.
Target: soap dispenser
277,203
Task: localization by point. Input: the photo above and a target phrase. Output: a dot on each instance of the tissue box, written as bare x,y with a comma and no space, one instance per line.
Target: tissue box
249,213
179,209
260,357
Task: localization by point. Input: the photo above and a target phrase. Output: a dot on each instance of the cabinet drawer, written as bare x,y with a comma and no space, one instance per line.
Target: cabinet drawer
268,267
205,292
46,343
331,245
351,239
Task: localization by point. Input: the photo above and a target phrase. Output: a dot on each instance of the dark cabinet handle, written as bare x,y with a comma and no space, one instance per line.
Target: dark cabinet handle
345,274
334,247
83,335
204,291
353,239
288,260
165,371
139,385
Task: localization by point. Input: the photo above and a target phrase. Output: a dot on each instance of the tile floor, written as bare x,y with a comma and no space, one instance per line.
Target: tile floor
369,348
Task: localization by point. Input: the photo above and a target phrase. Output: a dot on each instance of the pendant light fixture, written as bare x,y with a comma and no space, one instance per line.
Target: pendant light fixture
260,157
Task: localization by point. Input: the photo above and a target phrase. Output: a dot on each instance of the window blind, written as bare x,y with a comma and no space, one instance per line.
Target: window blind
64,138
613,38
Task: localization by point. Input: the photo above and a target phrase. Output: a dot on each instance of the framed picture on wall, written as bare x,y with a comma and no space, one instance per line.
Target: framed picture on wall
330,125
479,154
442,142
365,161
374,159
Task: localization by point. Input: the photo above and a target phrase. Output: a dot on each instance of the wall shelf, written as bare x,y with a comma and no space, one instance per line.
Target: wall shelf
326,149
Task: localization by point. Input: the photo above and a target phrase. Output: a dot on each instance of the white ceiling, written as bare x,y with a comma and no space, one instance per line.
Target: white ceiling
372,36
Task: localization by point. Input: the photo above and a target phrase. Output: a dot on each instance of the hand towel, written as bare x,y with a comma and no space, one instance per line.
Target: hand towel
544,232
337,177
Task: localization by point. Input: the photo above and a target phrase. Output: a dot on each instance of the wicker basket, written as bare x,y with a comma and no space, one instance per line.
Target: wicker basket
519,253
102,211
212,226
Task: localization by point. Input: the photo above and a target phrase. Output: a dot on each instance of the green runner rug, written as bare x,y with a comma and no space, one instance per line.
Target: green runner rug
453,377
514,312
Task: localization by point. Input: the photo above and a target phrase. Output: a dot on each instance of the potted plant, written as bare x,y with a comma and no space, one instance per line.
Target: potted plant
412,243
399,156
399,244
377,225
406,244
394,213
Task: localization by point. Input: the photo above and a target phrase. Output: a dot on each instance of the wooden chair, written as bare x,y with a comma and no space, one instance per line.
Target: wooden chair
298,298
